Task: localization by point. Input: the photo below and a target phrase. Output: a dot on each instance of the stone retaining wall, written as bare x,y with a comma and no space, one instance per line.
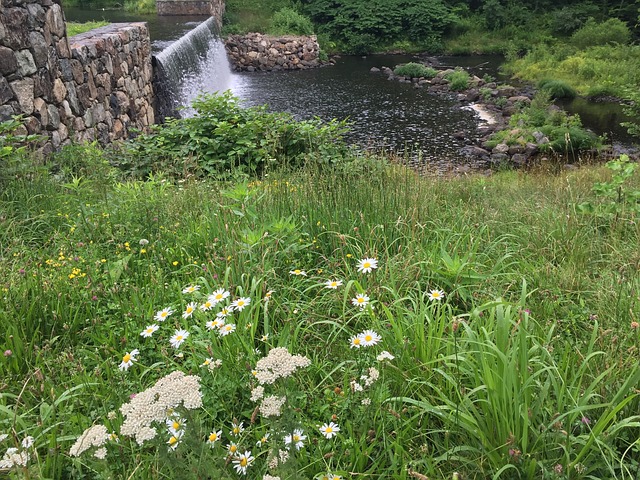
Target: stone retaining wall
258,52
214,8
93,86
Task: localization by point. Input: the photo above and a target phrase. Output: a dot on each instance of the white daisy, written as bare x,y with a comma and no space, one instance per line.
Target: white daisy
178,338
329,430
147,332
369,338
333,284
163,314
175,424
219,295
236,428
242,462
207,305
214,437
232,448
355,342
212,324
240,304
174,440
226,329
436,295
224,313
360,300
189,310
263,440
298,273
191,289
128,359
296,439
367,264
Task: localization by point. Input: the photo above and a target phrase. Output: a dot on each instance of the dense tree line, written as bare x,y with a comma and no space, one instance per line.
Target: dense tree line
360,25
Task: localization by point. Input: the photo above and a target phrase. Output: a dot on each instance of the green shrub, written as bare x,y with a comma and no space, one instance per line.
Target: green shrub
288,21
593,33
557,88
224,140
570,18
415,70
458,80
74,28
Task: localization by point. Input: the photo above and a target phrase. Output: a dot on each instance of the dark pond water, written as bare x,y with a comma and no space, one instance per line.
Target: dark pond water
382,113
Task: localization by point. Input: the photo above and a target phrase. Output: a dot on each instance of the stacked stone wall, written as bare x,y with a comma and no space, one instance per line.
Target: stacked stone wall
94,86
214,8
258,52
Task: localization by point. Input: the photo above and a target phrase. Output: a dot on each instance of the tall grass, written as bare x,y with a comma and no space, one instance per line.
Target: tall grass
526,368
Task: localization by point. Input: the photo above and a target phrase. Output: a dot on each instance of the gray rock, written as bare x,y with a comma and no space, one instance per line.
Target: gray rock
6,112
374,70
26,64
54,117
23,90
501,148
498,159
38,48
6,93
8,63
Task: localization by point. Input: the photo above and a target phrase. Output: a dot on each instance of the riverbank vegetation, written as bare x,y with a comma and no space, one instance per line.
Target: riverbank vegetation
344,318
75,28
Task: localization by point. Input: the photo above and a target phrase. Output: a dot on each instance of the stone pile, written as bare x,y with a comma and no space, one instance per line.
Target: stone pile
257,52
92,86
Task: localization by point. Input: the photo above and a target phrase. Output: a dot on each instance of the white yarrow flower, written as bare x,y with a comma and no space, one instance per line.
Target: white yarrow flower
384,355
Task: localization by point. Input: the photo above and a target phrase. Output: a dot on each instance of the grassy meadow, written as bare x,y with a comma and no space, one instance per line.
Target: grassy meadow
337,323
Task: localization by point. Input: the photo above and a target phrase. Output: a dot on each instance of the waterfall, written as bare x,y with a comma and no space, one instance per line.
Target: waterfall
195,63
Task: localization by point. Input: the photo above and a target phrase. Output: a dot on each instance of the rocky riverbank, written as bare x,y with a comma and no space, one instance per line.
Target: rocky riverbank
258,52
494,104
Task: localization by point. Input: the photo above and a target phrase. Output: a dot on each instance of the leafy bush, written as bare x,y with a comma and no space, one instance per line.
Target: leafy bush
458,80
593,33
557,88
564,132
224,140
288,21
415,70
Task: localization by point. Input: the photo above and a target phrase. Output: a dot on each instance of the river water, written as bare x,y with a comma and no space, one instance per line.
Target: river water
383,114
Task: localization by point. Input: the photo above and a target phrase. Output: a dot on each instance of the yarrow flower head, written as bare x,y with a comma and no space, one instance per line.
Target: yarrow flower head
436,295
333,284
147,332
240,304
242,462
152,405
367,264
298,273
360,300
95,436
188,311
178,338
296,439
128,359
191,289
163,314
279,363
329,430
384,355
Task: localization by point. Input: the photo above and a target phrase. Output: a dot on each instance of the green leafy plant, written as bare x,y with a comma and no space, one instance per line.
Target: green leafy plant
458,80
557,88
617,198
415,70
592,34
288,21
224,140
